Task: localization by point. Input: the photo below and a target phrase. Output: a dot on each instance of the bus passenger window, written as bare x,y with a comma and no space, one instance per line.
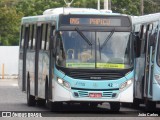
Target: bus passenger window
26,36
43,36
30,36
22,36
34,37
48,37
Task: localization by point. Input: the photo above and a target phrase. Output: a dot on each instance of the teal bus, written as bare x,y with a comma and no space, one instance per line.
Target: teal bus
76,55
147,67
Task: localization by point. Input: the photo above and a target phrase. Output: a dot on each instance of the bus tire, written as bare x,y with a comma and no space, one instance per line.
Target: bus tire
115,106
30,98
93,104
150,105
41,102
55,106
126,104
136,103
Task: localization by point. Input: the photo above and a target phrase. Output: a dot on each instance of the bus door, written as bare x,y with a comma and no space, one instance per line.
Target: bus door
41,54
38,39
23,50
148,73
43,62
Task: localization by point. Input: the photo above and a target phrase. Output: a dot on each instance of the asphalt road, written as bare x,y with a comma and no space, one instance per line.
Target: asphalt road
14,101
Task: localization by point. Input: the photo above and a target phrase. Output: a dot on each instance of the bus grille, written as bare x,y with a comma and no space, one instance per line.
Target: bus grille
86,94
95,75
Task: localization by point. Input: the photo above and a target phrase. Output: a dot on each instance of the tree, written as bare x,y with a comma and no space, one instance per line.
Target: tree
13,10
9,24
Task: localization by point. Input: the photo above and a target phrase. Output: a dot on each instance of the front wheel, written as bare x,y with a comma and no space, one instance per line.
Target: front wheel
55,106
115,106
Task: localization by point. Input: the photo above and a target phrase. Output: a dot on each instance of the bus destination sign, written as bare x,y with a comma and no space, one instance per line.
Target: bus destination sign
95,20
92,21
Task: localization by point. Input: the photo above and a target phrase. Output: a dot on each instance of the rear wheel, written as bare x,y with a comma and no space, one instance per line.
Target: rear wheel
115,106
30,98
41,102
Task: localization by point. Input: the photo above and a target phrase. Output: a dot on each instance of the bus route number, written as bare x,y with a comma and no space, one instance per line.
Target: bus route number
74,21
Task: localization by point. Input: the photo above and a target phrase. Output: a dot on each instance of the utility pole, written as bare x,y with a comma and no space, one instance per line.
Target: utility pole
107,4
142,7
98,5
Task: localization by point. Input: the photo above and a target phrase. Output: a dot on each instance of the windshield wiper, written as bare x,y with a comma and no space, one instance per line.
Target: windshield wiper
83,36
107,39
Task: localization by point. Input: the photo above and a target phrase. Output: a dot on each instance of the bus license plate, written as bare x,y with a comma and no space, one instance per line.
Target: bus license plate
95,95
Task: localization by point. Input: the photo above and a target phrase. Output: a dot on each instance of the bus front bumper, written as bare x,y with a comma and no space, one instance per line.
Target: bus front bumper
61,94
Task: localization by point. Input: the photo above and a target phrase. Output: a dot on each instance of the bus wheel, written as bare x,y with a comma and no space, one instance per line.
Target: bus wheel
136,103
41,102
93,105
56,106
30,98
150,106
115,106
84,104
126,104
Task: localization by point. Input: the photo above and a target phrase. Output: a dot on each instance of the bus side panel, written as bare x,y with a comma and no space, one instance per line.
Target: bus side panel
156,86
139,73
30,70
26,37
20,68
43,72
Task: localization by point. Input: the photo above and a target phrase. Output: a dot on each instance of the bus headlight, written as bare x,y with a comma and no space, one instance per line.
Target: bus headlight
157,77
63,83
126,84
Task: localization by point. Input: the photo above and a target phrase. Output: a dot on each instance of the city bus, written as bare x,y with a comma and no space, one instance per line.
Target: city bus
147,67
76,55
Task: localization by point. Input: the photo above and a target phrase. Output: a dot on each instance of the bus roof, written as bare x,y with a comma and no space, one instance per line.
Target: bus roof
145,18
53,14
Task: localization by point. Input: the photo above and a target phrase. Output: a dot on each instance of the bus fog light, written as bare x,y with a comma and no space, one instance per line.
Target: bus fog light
66,85
123,85
126,84
157,77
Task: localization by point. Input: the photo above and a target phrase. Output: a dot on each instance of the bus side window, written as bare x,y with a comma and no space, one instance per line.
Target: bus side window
26,42
44,29
142,38
48,34
22,36
30,37
34,36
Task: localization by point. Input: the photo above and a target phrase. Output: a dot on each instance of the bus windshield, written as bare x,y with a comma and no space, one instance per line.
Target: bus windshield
88,50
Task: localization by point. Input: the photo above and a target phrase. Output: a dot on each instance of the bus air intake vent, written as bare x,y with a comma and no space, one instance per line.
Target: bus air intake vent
86,75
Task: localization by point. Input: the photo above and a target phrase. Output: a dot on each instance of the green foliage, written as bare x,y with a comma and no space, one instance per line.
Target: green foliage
9,24
11,12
